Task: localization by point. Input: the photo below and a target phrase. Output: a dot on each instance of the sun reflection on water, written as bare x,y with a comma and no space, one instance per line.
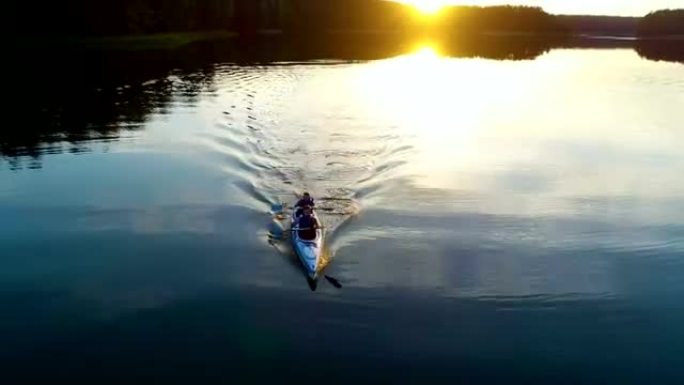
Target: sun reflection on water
446,105
487,127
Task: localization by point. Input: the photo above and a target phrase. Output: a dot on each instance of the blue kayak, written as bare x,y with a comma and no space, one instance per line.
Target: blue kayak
309,251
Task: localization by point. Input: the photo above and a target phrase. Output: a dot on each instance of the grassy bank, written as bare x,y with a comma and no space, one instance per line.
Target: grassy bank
161,41
155,41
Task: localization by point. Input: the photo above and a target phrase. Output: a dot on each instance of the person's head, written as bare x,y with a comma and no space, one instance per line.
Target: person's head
307,210
307,195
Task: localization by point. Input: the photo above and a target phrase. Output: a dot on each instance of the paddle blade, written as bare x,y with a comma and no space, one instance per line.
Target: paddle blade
277,208
333,282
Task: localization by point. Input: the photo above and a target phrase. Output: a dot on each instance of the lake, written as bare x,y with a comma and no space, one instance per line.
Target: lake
497,212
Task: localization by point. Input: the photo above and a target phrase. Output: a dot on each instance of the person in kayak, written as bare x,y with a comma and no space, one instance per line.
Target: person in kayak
308,224
307,200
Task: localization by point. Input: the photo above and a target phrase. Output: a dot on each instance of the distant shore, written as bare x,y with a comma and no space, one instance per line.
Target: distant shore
160,41
170,24
171,41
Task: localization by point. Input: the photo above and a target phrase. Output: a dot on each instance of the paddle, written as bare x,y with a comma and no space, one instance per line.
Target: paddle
306,228
333,281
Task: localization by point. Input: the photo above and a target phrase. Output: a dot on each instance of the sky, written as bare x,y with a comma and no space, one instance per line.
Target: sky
596,7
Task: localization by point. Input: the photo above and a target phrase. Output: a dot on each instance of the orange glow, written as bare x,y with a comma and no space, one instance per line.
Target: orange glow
428,7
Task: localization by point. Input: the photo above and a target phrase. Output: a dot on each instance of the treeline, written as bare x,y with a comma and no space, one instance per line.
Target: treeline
662,23
339,15
600,25
385,15
500,19
333,15
97,18
93,18
127,17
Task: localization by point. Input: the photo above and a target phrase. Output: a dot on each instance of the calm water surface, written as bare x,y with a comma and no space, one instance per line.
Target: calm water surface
517,221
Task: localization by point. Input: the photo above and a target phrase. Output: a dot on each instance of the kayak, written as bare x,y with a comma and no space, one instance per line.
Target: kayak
309,251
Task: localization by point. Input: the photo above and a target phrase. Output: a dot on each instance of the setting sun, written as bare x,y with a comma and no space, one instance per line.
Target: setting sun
429,7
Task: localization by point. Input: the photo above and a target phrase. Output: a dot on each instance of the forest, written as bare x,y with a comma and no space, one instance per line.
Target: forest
131,17
87,18
506,18
600,25
662,23
93,18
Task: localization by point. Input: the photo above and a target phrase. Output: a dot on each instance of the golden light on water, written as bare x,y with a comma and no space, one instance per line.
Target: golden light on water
465,120
446,105
423,90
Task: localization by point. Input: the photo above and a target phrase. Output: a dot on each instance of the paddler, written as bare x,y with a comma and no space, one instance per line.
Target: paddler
306,200
308,224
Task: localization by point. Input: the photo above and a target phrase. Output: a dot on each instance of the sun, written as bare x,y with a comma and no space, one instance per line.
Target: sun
428,7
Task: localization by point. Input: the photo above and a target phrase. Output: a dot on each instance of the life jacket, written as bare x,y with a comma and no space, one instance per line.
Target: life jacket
306,222
306,202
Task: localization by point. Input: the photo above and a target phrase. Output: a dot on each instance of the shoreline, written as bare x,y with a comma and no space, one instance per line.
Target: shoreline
157,41
176,40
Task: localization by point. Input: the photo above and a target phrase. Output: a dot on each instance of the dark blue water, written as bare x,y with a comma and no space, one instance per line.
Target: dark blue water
491,221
